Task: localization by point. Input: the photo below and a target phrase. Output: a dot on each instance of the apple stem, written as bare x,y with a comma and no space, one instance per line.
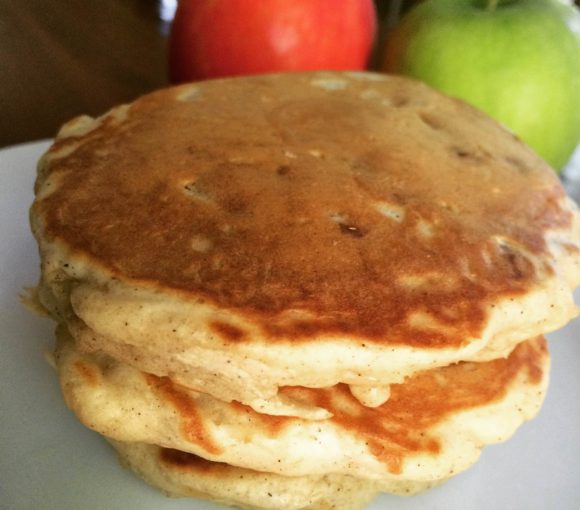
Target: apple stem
492,4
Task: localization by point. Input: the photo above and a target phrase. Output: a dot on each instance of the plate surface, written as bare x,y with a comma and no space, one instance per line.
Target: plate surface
49,461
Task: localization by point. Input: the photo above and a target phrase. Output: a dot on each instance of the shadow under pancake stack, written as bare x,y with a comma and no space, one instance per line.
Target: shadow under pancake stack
297,291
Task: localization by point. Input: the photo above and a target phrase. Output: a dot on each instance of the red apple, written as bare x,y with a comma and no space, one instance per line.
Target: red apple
213,38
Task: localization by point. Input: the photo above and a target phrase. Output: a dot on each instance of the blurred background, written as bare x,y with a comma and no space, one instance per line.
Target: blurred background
62,58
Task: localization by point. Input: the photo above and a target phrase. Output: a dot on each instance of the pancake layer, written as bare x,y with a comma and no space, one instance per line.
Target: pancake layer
433,426
248,234
183,474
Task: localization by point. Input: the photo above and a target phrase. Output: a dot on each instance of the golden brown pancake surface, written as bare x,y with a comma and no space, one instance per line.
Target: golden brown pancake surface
361,206
433,426
396,430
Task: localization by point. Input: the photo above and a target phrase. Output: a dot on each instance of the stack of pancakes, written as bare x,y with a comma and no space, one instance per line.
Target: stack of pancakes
295,291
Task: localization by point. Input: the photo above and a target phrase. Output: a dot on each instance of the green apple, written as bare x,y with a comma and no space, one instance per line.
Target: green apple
517,60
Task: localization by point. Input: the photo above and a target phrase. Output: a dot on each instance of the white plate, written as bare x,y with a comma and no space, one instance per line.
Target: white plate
48,461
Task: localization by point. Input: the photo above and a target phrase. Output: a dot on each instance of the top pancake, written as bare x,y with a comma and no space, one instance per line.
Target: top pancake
288,211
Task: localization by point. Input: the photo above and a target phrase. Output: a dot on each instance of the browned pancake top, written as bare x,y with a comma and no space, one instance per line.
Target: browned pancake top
311,204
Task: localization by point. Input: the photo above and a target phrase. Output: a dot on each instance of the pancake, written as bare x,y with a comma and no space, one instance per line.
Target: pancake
244,235
433,426
183,474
